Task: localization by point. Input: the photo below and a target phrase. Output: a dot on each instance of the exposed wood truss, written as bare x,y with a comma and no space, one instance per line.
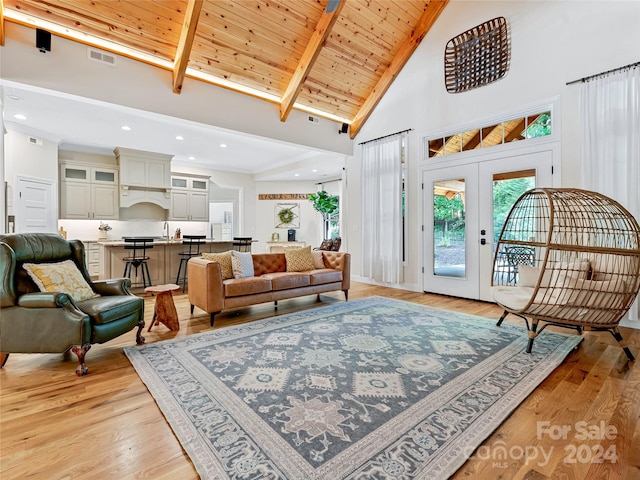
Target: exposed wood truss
336,64
308,59
1,22
189,25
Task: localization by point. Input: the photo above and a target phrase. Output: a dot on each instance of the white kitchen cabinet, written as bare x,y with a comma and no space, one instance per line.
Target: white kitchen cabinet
93,254
189,198
145,177
88,192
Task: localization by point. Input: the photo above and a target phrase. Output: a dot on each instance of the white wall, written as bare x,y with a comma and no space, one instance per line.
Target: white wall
553,42
310,220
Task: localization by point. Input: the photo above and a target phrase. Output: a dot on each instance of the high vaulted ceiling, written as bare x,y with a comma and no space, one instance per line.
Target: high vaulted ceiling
333,58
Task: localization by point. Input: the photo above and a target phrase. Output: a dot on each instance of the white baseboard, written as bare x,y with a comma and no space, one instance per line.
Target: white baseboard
400,286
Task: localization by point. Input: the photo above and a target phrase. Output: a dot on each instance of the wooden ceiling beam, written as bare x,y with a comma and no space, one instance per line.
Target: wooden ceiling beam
424,24
189,25
1,23
309,57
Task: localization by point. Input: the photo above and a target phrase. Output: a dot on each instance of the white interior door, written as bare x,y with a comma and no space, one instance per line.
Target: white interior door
464,209
35,206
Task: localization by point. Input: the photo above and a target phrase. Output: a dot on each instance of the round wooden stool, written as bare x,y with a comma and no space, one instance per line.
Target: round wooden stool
164,310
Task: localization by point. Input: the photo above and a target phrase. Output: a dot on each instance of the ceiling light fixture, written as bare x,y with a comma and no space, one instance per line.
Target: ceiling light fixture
179,137
223,145
296,174
20,116
192,158
314,170
126,128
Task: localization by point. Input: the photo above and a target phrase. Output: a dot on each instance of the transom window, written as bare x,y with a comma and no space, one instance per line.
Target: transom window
523,128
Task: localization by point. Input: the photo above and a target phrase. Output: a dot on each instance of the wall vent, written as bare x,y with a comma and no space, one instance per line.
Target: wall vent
102,57
313,119
34,141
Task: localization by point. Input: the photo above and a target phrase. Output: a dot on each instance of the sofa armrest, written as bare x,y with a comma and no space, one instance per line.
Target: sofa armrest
340,261
206,290
46,300
113,286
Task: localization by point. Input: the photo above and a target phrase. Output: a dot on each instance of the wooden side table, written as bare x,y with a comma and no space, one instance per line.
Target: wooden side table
164,310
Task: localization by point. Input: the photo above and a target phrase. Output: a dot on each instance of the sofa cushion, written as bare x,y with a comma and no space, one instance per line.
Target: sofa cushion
269,263
236,287
242,263
224,259
286,280
299,259
325,275
60,277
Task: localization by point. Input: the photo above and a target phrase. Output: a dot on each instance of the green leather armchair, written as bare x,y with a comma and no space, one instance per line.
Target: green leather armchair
52,322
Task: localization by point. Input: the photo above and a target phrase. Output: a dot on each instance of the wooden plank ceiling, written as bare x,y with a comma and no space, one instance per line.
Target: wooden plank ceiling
331,57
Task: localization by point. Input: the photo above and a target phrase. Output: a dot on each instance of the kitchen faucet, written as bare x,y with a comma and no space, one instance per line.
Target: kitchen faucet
166,230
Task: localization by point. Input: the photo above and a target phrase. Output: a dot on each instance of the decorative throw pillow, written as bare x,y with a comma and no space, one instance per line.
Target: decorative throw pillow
242,263
60,277
318,259
299,259
326,245
224,259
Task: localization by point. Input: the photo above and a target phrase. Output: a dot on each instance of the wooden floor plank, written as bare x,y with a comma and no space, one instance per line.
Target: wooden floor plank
106,425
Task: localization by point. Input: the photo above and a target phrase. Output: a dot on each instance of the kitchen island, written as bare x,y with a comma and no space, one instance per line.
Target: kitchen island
164,259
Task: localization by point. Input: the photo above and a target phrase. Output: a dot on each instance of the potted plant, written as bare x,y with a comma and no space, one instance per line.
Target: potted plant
327,205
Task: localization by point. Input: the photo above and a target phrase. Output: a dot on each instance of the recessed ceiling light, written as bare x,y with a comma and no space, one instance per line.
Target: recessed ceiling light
314,170
179,137
20,116
126,128
192,158
223,145
296,174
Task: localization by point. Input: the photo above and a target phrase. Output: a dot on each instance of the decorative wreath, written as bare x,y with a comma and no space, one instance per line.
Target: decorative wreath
286,215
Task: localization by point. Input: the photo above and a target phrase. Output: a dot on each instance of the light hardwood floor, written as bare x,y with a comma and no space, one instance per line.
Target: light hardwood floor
107,426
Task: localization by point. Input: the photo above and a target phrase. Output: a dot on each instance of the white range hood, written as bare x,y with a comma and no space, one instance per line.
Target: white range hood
145,177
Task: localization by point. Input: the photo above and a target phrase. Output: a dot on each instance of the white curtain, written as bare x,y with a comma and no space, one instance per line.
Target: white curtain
382,209
610,113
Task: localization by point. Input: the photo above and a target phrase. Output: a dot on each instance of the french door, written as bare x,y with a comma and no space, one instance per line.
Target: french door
464,208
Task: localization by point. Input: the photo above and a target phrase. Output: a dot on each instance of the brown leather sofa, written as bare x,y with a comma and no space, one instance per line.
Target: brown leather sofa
32,321
270,283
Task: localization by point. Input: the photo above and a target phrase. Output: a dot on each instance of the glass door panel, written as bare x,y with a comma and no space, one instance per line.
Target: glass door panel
449,232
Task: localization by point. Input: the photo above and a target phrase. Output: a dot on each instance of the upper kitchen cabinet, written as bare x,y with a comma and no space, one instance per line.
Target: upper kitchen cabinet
144,177
88,191
189,198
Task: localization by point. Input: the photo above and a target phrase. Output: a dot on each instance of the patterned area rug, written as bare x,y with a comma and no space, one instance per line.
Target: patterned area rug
366,389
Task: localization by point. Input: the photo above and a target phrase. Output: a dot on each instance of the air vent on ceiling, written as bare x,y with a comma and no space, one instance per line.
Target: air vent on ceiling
313,119
102,57
34,141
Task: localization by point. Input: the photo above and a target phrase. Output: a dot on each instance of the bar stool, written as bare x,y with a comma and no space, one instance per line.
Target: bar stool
242,244
192,249
138,257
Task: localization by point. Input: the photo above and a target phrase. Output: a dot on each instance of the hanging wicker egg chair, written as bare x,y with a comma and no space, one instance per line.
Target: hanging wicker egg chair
567,257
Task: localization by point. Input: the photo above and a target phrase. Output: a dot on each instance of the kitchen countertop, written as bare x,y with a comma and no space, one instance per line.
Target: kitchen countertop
175,241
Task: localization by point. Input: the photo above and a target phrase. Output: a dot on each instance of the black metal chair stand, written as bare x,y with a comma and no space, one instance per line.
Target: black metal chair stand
242,244
138,258
192,249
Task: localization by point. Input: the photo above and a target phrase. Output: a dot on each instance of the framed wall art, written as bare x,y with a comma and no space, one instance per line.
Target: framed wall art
287,215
